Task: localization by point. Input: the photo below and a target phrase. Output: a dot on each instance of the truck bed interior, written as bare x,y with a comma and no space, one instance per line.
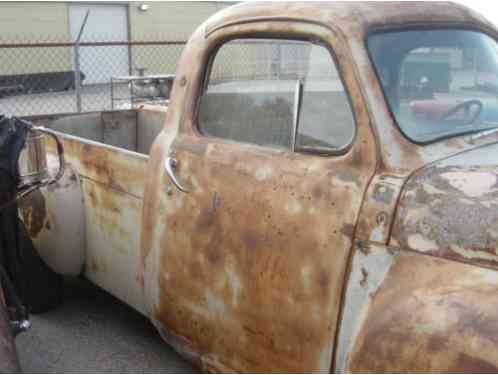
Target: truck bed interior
133,130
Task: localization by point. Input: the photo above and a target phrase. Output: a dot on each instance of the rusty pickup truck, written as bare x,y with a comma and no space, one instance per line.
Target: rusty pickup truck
321,193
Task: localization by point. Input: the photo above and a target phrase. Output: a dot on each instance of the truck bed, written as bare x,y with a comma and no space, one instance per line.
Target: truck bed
94,214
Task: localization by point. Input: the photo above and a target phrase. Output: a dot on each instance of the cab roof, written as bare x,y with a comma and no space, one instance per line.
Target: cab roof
353,17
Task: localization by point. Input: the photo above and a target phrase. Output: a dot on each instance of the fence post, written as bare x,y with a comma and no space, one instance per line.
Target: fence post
77,70
77,76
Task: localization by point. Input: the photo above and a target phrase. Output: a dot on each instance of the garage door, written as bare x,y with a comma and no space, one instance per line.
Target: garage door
106,22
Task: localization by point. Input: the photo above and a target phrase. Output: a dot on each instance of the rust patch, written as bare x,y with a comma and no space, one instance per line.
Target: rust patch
451,212
119,170
430,315
468,364
264,252
34,213
348,230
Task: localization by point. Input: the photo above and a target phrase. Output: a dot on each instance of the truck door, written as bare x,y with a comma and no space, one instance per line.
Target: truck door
253,193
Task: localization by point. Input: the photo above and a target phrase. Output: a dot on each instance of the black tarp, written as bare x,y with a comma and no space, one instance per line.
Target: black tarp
36,285
18,84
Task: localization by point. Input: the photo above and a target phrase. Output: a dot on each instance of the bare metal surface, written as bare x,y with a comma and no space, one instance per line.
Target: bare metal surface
370,266
450,210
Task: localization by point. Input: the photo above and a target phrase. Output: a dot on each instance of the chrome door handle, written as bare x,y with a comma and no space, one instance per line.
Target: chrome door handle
170,166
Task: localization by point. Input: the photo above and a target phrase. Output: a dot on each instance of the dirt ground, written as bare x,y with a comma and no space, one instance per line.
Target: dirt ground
94,332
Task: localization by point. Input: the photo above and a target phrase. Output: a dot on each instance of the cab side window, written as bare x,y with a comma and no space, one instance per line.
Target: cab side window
276,93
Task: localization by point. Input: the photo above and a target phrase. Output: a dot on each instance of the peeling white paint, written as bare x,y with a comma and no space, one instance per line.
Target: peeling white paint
377,234
263,173
359,289
474,254
430,189
473,184
305,277
214,304
419,242
235,286
293,206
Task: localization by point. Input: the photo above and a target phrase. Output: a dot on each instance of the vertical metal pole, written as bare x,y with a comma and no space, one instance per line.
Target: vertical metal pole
112,93
77,76
77,70
128,38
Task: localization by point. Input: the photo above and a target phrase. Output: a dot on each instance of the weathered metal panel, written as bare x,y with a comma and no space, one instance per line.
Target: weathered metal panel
377,213
150,121
255,256
414,313
450,209
55,220
120,169
120,129
112,237
369,268
112,180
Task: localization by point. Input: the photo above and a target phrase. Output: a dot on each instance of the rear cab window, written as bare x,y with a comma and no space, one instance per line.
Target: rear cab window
277,93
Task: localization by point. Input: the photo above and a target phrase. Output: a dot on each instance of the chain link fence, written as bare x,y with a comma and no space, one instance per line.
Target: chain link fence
52,77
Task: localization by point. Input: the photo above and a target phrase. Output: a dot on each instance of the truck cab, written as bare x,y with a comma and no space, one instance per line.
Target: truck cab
321,197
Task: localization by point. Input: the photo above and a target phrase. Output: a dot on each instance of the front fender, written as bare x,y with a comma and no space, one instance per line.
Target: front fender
417,313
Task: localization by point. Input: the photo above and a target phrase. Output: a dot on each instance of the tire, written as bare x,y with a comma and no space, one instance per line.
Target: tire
41,289
9,362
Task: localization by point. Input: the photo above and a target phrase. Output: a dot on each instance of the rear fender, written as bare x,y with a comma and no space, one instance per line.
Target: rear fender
55,219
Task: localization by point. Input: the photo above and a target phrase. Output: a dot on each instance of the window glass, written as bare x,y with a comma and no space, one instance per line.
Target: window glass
258,90
438,83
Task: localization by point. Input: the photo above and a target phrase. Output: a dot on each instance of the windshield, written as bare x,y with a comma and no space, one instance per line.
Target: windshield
438,83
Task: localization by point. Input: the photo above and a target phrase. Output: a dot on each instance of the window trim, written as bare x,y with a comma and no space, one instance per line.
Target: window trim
206,73
421,27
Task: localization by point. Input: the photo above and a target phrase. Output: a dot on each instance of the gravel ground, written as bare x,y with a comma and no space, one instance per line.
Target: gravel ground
94,332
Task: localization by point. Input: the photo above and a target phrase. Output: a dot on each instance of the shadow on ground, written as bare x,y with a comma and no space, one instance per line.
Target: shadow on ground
94,332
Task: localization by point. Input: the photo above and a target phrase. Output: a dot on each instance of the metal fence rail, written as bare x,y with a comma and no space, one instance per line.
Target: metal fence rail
60,77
